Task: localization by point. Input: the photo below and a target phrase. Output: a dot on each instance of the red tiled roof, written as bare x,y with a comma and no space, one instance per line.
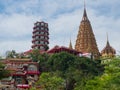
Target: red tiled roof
62,48
30,51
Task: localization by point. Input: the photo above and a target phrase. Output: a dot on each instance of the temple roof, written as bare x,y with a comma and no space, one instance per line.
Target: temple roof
31,50
108,49
58,49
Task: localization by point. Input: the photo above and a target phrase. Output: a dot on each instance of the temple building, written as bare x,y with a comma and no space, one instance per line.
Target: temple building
86,41
40,36
23,73
58,49
108,51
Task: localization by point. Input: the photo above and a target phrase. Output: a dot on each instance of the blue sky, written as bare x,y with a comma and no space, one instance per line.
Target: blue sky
17,18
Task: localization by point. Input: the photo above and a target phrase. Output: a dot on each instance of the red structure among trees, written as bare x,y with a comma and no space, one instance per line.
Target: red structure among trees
58,49
22,72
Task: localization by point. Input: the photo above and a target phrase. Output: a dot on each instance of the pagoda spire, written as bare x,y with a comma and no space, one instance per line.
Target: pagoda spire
108,51
85,13
86,41
108,44
70,45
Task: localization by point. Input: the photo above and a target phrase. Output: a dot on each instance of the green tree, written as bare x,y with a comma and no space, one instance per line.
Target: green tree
3,73
11,54
43,59
75,70
61,61
109,80
14,54
35,55
49,81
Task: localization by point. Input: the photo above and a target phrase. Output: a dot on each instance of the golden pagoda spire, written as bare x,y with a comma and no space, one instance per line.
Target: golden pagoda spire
85,13
108,51
86,41
70,45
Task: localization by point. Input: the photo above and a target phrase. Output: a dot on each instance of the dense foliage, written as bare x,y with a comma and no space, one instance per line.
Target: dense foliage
3,73
14,54
64,71
110,79
73,70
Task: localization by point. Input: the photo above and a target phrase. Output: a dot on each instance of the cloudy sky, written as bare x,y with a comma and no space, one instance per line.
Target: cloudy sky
17,18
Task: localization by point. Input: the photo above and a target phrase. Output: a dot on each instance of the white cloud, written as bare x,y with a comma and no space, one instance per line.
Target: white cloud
17,24
18,46
16,32
64,27
101,26
63,18
69,25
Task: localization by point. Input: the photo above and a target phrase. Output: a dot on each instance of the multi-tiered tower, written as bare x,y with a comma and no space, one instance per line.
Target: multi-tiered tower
40,36
85,39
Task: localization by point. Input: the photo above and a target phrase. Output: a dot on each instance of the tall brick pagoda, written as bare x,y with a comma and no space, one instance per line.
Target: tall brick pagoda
40,36
85,39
